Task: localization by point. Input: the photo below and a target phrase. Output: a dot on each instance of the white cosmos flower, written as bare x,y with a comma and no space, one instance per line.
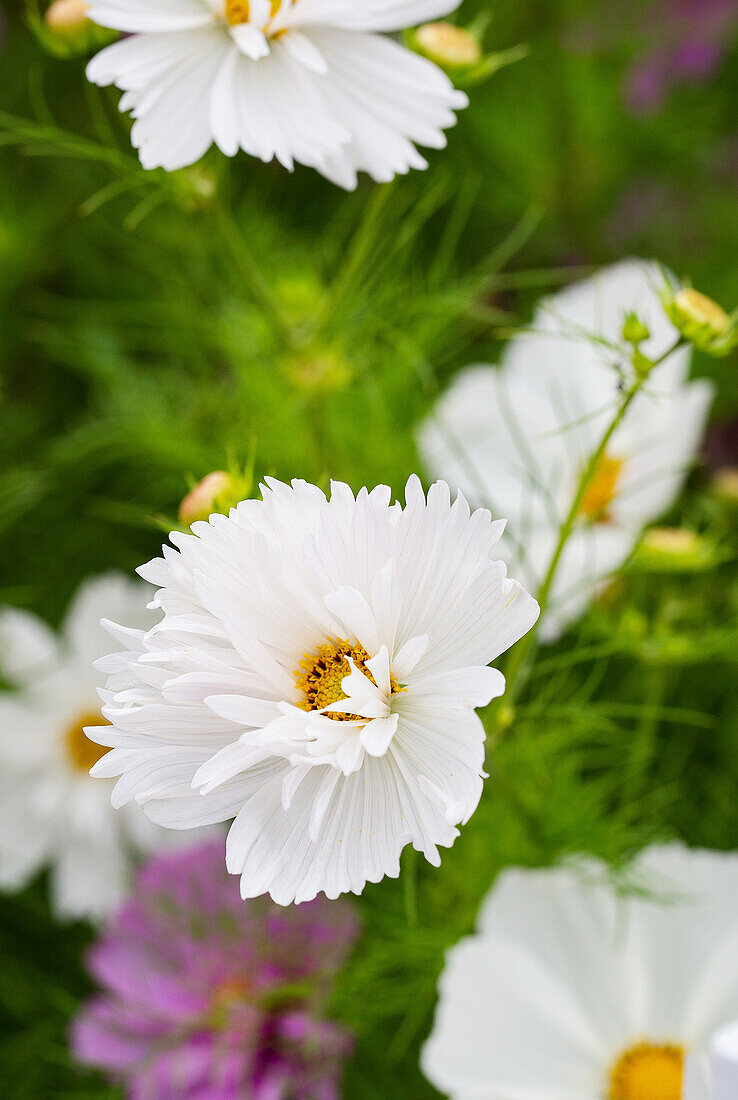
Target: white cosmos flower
51,812
517,438
315,673
311,81
568,992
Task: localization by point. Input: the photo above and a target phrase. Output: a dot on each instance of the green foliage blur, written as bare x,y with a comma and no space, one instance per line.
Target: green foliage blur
139,350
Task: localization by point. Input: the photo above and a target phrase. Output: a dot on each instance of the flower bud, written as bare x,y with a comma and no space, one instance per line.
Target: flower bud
448,46
460,52
677,550
217,492
67,16
701,320
65,28
725,484
635,331
318,370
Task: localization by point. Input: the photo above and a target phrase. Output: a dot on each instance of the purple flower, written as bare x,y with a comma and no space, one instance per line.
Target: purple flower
687,42
206,997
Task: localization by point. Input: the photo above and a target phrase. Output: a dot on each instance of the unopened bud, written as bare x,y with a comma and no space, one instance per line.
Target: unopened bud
634,329
214,493
676,549
449,46
319,370
701,310
67,16
725,484
65,28
701,320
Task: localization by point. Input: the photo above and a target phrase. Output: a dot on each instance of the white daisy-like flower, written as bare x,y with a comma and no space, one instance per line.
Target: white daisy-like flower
52,814
715,1075
315,82
568,992
518,438
315,675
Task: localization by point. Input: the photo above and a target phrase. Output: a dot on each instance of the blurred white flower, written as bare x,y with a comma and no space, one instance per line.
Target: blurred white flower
312,81
315,673
568,992
51,812
518,438
712,1074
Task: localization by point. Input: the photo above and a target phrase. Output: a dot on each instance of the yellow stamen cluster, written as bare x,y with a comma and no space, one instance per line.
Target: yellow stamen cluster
238,11
320,675
601,490
648,1072
81,752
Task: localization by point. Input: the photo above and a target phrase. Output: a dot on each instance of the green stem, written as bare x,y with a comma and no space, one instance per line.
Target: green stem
521,656
361,246
410,886
250,273
645,738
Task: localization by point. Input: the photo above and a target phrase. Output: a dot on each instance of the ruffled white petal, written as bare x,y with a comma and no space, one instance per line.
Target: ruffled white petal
207,715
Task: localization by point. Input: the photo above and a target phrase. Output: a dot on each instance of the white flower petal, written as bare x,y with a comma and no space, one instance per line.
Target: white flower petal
291,85
376,736
517,439
209,702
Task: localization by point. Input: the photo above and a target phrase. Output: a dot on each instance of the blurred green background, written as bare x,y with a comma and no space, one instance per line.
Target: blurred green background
135,356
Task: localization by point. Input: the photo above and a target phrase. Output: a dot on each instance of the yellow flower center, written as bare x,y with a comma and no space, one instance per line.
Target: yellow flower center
81,752
320,675
648,1072
237,11
601,490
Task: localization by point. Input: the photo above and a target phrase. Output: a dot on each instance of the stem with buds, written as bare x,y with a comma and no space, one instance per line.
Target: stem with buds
520,660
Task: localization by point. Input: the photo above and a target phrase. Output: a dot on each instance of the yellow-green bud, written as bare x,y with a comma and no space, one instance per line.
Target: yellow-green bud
65,28
725,484
702,311
67,15
676,549
449,46
634,329
701,320
318,370
217,492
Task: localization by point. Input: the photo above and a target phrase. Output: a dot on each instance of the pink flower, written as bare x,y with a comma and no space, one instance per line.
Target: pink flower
687,42
207,998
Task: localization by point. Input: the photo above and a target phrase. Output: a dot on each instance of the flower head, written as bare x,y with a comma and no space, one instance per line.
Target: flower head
518,438
315,674
204,996
307,81
51,812
568,993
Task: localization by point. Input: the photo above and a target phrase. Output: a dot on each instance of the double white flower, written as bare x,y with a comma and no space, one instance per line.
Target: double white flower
306,81
315,675
517,439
